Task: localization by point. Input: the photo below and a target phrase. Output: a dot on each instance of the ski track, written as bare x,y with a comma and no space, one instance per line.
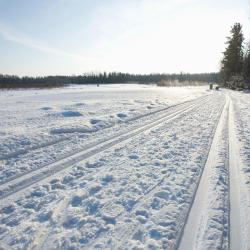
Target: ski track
203,208
24,133
52,227
89,145
15,185
170,193
39,238
219,215
49,143
172,245
179,226
239,200
143,199
32,148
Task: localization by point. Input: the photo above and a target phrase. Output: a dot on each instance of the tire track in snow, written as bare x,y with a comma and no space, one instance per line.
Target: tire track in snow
20,183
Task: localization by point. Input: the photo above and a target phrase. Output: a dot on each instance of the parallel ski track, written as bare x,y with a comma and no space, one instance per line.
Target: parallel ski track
238,218
25,151
237,193
24,181
59,140
185,216
131,230
46,239
126,232
32,148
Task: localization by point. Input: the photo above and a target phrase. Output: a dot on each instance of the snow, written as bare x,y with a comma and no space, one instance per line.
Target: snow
207,224
121,166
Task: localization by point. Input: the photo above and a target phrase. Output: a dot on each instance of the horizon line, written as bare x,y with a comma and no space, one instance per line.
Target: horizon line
108,72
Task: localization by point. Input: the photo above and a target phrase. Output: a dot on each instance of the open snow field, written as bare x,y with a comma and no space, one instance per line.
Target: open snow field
124,167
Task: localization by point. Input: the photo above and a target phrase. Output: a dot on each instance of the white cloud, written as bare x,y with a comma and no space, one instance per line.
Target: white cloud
140,36
10,34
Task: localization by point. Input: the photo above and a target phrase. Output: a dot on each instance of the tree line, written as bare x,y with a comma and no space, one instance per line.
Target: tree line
235,65
12,81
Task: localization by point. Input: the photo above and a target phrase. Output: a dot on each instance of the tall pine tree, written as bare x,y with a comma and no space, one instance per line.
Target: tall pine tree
246,64
232,63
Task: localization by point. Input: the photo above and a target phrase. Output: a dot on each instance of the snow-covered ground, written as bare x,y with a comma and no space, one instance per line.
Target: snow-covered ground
124,167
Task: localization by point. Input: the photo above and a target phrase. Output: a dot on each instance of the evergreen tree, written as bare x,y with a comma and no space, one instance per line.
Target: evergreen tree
246,64
232,63
8,81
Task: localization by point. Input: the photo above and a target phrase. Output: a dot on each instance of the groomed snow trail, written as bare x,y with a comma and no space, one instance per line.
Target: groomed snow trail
236,239
32,177
197,221
172,178
239,201
219,213
61,121
128,233
241,117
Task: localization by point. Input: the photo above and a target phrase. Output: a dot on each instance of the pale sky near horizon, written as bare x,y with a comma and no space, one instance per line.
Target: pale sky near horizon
65,37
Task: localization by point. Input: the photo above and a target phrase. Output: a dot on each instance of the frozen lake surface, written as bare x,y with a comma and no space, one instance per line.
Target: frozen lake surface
124,166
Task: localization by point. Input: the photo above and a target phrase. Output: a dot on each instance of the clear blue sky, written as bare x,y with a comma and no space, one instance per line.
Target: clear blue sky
48,37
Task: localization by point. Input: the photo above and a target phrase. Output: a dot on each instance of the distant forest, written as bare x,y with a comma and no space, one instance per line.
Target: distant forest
12,81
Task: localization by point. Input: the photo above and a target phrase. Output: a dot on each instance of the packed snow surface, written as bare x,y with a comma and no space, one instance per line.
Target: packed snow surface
124,167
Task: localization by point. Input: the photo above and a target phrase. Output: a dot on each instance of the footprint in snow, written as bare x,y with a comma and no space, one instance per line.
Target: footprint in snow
121,115
8,209
133,157
76,201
